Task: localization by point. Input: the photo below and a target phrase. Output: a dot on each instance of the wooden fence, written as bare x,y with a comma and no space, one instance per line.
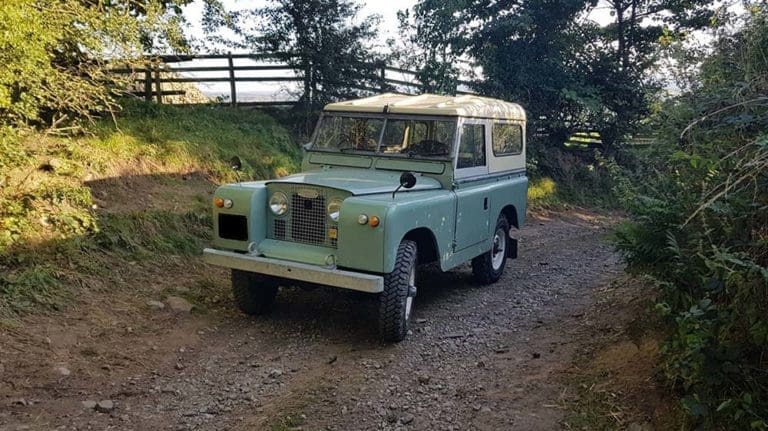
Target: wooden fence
150,79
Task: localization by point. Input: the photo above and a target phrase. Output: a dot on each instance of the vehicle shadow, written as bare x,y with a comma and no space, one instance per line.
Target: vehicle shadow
351,318
170,192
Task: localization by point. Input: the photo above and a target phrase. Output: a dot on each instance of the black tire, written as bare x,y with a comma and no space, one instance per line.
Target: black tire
394,311
484,268
254,293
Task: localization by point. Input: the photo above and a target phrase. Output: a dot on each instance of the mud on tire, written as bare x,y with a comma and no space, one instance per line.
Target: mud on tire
254,293
394,303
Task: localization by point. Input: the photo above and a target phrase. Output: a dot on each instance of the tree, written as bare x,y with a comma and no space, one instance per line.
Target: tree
325,41
569,72
629,48
700,227
55,55
421,47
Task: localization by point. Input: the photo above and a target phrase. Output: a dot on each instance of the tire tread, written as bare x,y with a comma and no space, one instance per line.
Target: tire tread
392,323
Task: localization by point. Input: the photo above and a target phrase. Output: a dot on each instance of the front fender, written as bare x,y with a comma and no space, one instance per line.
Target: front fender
370,249
250,201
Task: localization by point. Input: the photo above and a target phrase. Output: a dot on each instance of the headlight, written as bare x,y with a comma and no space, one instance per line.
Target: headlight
334,209
278,203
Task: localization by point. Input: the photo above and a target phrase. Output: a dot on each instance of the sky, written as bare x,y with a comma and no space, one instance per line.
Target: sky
387,9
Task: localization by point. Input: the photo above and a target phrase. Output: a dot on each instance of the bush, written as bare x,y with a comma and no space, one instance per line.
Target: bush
701,228
55,55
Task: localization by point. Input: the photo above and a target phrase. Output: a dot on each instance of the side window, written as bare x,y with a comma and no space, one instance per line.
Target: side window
507,139
472,146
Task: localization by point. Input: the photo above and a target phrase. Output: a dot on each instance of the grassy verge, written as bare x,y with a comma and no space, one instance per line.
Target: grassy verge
80,213
613,380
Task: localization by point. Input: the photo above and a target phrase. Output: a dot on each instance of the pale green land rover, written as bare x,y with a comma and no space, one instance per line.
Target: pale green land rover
387,183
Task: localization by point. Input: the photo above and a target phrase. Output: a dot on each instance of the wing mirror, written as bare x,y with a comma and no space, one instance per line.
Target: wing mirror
407,181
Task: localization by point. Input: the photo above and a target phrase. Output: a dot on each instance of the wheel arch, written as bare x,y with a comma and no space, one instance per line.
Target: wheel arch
510,212
426,244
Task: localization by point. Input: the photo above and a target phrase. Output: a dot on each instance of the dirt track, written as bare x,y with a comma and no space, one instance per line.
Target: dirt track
486,358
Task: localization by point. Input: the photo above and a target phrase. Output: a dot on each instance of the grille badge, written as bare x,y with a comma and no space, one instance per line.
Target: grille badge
308,193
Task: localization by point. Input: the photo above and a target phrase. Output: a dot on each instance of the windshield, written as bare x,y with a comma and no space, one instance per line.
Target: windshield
409,137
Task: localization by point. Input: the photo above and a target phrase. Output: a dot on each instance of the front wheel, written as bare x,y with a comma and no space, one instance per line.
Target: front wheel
488,267
254,293
396,300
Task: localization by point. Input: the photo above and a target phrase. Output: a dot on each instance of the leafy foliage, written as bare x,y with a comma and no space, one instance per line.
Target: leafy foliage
421,46
701,209
327,42
569,73
55,54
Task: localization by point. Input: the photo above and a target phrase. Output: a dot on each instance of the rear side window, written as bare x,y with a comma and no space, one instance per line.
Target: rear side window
472,147
507,139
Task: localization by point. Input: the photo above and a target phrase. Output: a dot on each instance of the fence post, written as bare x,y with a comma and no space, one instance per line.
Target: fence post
147,83
383,72
308,96
232,86
158,87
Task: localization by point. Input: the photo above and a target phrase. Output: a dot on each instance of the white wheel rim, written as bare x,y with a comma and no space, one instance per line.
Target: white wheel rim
499,249
409,298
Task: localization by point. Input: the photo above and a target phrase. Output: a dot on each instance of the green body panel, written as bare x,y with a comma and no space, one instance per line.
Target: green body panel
321,256
249,199
339,160
355,181
411,166
439,170
373,249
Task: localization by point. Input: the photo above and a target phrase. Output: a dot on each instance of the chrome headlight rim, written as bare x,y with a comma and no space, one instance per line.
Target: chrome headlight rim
278,204
333,209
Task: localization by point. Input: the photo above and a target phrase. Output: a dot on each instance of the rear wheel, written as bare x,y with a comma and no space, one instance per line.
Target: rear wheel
489,266
254,293
396,301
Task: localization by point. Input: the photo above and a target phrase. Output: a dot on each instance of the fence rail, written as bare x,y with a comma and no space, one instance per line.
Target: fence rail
152,80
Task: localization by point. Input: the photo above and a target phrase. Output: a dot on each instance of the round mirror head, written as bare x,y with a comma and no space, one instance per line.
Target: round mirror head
236,163
407,180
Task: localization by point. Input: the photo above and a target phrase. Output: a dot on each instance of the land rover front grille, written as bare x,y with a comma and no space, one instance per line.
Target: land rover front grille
306,221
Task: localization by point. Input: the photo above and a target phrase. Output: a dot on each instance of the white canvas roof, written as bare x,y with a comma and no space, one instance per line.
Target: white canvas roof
432,104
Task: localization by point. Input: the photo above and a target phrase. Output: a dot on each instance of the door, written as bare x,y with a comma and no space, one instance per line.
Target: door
472,197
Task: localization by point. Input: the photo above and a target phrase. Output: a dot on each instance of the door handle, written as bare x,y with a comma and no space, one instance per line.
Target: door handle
485,204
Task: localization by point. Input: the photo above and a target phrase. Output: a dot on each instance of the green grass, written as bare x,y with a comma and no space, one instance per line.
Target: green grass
56,241
202,138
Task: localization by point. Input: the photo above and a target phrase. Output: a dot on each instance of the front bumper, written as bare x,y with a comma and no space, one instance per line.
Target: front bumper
295,270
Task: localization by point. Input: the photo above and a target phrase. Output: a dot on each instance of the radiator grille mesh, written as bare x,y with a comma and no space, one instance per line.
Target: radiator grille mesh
306,221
